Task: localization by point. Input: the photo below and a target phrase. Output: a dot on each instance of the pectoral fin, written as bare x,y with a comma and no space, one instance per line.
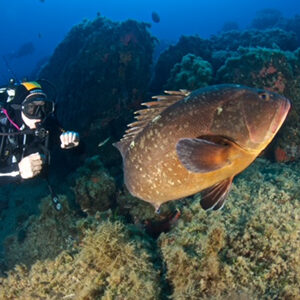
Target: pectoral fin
214,197
202,156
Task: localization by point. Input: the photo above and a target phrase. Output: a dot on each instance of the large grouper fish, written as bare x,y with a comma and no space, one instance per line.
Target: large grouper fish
187,142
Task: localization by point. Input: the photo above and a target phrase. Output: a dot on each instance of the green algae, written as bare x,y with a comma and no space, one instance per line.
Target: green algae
191,73
258,67
109,263
43,236
250,247
94,189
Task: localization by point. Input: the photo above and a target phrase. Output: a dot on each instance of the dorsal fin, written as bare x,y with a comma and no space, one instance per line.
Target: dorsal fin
146,115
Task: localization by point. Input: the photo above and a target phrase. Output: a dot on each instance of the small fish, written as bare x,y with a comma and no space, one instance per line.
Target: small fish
155,17
24,50
101,144
185,143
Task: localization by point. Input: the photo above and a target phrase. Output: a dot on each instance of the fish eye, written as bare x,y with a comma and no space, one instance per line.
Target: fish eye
264,96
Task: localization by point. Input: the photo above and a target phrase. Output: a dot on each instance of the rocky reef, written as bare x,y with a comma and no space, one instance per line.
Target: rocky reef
104,66
218,48
272,18
174,54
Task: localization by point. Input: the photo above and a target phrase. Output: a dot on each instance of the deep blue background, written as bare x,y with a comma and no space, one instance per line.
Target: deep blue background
46,23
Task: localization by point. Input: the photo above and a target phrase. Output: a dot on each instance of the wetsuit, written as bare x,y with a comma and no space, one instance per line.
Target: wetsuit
15,147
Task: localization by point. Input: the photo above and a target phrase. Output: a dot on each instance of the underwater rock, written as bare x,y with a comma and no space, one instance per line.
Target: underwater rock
94,189
271,38
160,47
99,70
25,49
293,24
228,41
174,54
267,18
112,261
271,18
229,26
40,63
219,57
251,247
191,73
259,67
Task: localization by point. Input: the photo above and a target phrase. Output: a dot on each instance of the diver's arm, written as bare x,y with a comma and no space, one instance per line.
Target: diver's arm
68,139
28,167
9,174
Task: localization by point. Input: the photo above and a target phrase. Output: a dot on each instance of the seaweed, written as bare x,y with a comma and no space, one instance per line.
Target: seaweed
191,73
110,263
251,247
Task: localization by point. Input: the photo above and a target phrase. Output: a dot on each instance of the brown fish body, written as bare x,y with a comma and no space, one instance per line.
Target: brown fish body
196,142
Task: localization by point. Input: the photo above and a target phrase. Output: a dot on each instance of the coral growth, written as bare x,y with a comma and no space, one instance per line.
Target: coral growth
94,189
43,236
271,18
259,67
191,73
111,262
227,42
270,38
174,54
267,18
250,247
229,26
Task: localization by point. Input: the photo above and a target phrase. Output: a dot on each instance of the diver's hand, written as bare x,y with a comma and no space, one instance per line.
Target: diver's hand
69,139
30,165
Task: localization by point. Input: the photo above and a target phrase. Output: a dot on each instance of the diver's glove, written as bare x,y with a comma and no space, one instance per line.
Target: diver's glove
30,165
69,139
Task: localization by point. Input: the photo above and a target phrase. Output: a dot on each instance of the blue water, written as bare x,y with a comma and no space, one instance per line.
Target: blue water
45,24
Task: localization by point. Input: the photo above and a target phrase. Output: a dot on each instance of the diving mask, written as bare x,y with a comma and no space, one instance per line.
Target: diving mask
37,106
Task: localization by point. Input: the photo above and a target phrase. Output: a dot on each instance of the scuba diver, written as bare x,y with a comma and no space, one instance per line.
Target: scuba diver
27,128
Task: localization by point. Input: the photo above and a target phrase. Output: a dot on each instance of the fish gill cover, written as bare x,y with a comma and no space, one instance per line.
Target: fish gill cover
107,244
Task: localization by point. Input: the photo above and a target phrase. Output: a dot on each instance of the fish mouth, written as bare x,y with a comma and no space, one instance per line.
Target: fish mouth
281,115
